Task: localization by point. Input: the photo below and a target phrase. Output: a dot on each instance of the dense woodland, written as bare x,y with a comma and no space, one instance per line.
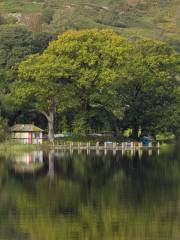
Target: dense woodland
114,75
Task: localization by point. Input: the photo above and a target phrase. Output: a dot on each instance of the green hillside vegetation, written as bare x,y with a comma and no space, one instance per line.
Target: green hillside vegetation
107,58
157,18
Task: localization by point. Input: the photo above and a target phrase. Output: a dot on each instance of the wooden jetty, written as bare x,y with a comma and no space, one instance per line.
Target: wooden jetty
107,146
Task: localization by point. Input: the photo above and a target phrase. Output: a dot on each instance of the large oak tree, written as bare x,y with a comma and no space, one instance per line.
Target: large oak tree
79,63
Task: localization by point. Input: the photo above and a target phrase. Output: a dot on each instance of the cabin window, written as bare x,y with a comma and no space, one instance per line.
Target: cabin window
37,135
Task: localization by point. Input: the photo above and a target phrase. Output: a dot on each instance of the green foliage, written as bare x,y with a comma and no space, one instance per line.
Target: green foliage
172,116
155,19
41,41
79,66
147,83
19,6
89,59
15,44
96,73
80,126
3,129
47,15
10,149
63,125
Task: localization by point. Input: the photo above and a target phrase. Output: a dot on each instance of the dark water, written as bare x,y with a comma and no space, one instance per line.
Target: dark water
63,196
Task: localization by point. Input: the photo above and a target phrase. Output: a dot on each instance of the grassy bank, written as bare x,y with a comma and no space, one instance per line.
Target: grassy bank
9,148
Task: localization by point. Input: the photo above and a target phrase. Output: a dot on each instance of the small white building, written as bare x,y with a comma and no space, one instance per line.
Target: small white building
27,134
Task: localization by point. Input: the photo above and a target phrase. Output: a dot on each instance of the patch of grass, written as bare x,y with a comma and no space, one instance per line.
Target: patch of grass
16,6
165,136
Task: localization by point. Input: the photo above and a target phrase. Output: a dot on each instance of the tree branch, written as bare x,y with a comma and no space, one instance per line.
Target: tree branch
40,111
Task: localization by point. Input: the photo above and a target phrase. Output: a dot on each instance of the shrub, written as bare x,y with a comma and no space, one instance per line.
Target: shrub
4,130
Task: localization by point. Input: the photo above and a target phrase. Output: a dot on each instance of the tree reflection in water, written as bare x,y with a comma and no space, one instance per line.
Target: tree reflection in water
94,197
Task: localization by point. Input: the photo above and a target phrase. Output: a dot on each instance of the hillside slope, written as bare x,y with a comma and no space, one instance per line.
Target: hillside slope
148,18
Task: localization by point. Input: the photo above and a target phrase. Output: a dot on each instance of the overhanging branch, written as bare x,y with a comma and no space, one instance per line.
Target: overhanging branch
40,111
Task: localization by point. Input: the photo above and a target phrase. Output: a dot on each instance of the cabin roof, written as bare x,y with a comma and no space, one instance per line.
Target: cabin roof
25,128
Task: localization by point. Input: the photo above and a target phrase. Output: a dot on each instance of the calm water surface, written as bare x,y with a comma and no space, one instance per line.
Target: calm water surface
90,196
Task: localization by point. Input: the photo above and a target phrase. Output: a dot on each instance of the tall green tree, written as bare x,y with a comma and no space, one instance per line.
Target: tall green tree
170,121
39,92
15,45
83,63
16,42
147,85
91,60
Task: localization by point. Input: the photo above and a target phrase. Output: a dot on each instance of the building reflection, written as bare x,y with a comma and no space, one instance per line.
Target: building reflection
30,162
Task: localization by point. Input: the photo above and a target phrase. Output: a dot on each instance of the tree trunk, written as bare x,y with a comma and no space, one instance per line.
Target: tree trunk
154,135
116,129
51,172
51,126
135,131
50,118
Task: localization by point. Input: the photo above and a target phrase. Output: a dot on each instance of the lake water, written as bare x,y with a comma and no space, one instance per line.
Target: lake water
90,195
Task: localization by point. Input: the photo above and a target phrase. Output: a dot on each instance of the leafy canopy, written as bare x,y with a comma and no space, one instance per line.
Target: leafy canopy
147,83
81,61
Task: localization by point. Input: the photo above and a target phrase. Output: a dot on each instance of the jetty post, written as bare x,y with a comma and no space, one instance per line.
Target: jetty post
97,145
